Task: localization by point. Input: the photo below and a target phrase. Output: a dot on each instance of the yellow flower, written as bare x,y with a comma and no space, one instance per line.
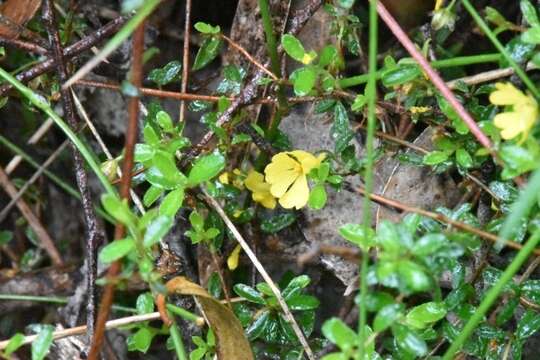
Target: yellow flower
260,191
523,115
233,259
224,178
287,176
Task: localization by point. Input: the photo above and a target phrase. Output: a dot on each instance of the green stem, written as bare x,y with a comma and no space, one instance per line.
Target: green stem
41,103
493,38
492,295
183,313
178,343
371,92
272,48
438,64
62,184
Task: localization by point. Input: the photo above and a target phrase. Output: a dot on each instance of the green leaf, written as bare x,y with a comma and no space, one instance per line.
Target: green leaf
355,233
413,275
450,113
277,222
164,121
198,353
339,333
400,75
528,324
428,244
118,209
5,237
207,28
257,328
249,293
518,161
304,80
206,167
172,202
41,345
298,282
531,36
15,342
145,303
293,47
409,340
157,229
435,157
151,195
116,250
150,136
196,220
341,130
424,315
167,74
143,152
387,316
208,51
141,340
529,13
463,158
317,197
303,302
388,237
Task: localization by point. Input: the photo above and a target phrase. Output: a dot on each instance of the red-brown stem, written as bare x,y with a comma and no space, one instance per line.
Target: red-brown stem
249,57
119,231
185,60
434,77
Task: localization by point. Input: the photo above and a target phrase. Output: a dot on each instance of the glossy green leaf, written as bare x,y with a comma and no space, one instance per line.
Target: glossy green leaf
257,328
41,345
143,152
435,157
428,244
400,75
413,275
409,340
528,324
529,13
249,293
355,233
15,342
164,121
145,303
425,314
277,222
172,202
387,316
341,130
206,28
141,340
317,197
157,229
208,51
293,47
463,158
335,330
151,195
304,80
303,302
116,250
167,74
206,167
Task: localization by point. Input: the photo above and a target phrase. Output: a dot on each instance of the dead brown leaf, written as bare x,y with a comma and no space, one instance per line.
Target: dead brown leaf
14,14
231,341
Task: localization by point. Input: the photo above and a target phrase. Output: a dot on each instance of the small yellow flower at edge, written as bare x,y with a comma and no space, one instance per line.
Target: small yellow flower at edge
260,191
287,175
523,115
234,257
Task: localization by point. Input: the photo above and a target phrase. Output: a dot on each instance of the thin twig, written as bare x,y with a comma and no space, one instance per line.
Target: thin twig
487,76
434,77
185,59
69,52
94,234
439,217
260,268
24,45
44,238
125,186
250,58
33,178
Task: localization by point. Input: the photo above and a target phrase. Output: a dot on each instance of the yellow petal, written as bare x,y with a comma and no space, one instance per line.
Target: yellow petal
224,178
509,123
297,196
265,199
506,94
308,161
233,259
255,182
281,173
